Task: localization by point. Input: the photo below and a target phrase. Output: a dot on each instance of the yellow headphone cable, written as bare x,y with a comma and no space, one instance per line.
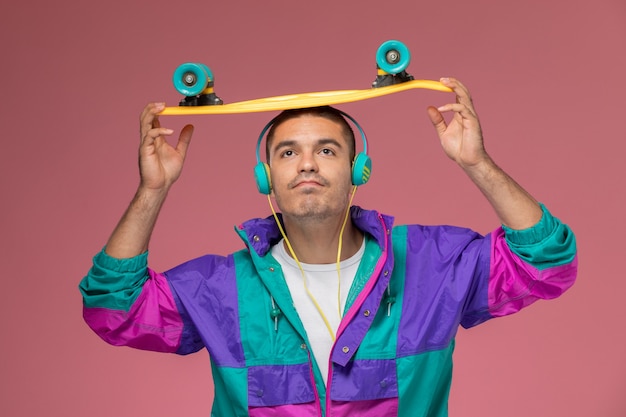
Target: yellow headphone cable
304,280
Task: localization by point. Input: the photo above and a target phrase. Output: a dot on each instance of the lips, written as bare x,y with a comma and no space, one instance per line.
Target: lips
304,181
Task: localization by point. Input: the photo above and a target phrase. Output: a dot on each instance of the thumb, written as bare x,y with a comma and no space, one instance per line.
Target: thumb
184,139
437,119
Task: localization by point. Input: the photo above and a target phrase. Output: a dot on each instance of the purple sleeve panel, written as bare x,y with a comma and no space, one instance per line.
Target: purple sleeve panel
515,284
152,323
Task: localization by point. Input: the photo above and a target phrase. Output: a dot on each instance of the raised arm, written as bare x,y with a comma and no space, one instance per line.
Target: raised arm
124,301
160,165
462,141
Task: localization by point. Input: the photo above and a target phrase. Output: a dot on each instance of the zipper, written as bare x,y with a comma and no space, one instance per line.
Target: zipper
315,392
352,312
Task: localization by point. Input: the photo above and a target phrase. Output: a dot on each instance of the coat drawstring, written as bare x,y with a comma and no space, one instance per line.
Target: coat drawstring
275,313
389,300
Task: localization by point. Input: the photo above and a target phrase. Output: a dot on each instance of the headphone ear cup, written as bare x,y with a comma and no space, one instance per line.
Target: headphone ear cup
361,169
262,177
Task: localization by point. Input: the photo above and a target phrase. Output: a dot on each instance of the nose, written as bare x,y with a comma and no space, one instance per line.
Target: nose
307,163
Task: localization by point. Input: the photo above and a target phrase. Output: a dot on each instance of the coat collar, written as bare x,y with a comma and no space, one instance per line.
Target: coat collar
261,234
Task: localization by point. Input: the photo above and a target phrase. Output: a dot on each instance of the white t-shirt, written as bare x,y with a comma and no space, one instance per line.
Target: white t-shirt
322,281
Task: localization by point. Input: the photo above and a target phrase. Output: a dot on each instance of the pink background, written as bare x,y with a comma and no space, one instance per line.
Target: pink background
548,83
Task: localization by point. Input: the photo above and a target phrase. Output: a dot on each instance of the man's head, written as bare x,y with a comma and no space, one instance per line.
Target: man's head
361,162
311,152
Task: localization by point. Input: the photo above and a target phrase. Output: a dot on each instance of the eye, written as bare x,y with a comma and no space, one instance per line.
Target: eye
327,151
286,154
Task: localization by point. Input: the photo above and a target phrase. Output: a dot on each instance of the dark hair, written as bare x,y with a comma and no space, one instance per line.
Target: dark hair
327,112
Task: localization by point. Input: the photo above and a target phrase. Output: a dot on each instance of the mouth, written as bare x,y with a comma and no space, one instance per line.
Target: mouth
308,182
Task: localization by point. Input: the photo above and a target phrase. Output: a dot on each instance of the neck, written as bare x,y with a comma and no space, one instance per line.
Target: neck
317,242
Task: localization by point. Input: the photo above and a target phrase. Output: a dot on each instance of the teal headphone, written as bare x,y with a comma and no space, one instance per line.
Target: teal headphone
361,166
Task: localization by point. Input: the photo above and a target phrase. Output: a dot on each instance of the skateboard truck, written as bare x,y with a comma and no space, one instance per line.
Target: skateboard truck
384,79
206,98
392,59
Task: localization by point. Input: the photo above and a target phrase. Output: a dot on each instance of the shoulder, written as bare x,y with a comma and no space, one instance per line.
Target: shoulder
202,267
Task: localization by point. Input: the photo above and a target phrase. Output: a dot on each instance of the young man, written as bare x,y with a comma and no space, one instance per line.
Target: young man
330,308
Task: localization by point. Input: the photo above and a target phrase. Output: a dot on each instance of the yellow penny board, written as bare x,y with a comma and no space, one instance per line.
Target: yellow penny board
296,101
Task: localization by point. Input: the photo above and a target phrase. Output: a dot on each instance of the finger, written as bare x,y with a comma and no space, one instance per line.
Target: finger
462,93
458,108
153,134
437,119
150,110
149,118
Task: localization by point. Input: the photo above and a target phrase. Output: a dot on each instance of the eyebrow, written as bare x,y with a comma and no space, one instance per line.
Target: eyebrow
290,143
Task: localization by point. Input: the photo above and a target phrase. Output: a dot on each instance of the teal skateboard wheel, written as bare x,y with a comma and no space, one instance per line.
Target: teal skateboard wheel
191,79
393,57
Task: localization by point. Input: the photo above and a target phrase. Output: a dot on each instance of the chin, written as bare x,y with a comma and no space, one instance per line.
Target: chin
316,210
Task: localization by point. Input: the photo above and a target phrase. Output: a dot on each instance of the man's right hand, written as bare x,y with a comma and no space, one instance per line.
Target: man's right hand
160,164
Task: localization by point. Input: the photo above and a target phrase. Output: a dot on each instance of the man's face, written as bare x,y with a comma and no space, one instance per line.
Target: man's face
310,168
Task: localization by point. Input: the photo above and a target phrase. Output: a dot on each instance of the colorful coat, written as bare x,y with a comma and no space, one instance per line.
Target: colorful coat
393,353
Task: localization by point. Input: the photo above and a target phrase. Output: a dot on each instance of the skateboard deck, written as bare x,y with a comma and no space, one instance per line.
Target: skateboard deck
294,101
195,81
